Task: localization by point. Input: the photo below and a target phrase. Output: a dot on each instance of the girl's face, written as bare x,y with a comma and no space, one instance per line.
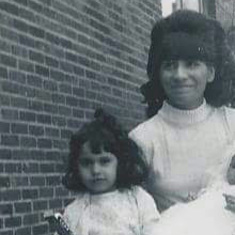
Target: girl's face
184,82
98,172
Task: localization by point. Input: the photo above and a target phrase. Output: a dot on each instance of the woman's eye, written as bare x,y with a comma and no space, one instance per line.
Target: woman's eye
192,64
169,64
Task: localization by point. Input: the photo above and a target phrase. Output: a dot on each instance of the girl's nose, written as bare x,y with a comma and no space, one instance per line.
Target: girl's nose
95,168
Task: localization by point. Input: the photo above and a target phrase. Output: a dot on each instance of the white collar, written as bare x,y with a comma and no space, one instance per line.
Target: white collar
185,117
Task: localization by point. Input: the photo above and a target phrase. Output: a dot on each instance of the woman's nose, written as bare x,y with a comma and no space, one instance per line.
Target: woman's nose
180,72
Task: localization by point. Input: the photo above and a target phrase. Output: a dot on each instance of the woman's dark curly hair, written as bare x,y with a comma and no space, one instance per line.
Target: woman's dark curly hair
211,34
104,133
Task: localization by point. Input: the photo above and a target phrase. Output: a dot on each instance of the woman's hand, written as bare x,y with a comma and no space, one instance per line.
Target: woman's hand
231,172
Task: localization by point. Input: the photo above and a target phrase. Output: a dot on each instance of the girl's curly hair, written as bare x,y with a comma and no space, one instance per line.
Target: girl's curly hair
104,133
210,32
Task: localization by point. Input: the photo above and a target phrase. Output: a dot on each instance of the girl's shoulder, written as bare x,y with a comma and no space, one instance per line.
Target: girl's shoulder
141,194
78,202
145,201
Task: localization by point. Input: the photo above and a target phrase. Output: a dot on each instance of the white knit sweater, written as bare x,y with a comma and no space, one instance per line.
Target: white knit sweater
184,149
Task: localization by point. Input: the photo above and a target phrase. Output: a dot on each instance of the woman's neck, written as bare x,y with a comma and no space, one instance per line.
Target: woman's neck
185,117
187,106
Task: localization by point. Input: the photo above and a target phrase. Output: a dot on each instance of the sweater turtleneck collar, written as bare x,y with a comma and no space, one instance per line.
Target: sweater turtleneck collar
185,117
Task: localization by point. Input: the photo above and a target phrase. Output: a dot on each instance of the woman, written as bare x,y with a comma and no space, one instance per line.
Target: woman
189,132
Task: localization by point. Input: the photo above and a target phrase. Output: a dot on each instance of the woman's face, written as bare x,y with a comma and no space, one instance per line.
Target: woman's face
184,82
98,171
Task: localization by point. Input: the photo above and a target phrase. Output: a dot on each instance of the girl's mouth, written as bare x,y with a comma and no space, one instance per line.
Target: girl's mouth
97,180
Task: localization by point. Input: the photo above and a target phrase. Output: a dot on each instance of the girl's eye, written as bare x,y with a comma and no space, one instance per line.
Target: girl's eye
85,162
105,160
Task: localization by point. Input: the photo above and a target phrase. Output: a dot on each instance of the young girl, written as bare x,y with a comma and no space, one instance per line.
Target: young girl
104,170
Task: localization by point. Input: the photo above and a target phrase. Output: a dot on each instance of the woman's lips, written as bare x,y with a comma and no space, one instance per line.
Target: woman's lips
181,87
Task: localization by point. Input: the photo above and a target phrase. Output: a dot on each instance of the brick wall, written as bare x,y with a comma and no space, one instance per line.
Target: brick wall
225,13
59,60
